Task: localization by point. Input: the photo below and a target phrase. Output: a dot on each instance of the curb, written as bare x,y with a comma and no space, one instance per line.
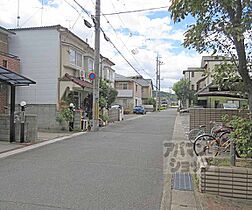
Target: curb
37,145
166,196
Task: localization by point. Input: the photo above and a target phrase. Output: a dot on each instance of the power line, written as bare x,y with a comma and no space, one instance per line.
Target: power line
139,10
130,52
107,39
126,46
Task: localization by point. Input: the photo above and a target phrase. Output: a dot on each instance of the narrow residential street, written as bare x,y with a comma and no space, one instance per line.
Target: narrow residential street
119,167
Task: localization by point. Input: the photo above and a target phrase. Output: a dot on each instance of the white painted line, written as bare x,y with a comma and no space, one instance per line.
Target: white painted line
133,118
34,146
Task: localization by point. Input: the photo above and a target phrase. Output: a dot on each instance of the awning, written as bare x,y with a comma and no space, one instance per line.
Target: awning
12,78
77,81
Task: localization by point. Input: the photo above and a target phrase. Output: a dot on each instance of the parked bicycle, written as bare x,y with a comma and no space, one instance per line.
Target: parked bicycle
194,133
213,145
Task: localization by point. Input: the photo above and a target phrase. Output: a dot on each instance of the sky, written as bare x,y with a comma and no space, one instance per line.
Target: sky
140,36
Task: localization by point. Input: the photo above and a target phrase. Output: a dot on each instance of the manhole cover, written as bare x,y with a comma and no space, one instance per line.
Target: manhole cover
182,181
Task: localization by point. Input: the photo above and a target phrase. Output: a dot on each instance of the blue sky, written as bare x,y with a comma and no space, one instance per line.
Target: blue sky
146,34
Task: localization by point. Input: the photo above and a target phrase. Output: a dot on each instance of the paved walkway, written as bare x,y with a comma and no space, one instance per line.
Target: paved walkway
42,136
178,159
6,146
183,200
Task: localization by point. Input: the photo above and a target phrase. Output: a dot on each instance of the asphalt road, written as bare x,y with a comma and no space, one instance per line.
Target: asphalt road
119,167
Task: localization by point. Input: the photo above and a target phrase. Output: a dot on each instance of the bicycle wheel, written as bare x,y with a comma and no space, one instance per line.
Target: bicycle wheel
194,133
205,145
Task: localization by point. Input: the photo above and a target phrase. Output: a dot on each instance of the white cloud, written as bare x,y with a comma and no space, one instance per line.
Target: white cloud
148,36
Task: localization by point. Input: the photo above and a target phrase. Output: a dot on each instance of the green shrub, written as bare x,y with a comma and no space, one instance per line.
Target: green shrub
105,118
64,115
242,134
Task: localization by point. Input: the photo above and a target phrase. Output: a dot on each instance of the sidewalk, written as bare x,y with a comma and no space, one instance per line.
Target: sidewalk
186,199
6,146
178,161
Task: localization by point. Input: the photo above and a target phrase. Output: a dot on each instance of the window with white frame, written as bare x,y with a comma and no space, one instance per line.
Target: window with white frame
78,59
72,58
90,64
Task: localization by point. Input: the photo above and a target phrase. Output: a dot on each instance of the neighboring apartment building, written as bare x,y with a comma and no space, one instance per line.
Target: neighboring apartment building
147,87
7,61
60,62
209,95
129,92
194,74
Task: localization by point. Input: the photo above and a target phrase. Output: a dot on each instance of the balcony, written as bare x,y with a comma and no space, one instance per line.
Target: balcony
125,93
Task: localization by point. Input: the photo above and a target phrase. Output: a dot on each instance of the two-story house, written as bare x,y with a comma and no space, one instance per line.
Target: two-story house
60,62
129,92
147,87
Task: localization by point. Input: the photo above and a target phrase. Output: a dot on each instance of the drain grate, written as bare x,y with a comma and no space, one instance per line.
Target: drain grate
182,181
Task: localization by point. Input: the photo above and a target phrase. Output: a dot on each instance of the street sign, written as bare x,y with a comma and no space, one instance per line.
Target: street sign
91,75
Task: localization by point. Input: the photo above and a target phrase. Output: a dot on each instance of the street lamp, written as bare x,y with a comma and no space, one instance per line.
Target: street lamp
71,122
22,121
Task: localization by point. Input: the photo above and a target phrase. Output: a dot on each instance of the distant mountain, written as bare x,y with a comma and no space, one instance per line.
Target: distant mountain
165,95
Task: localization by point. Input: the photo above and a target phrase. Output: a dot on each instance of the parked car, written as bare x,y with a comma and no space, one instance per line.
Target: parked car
139,110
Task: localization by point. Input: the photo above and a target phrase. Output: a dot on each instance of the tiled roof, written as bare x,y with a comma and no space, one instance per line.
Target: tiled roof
76,80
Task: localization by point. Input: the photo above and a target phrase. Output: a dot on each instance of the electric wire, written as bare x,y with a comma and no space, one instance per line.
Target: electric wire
134,11
141,67
107,39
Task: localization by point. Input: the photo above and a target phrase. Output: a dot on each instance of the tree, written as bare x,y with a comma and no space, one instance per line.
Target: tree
223,27
151,101
182,90
107,94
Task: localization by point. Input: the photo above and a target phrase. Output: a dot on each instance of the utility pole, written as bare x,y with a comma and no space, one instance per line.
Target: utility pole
159,99
96,67
157,80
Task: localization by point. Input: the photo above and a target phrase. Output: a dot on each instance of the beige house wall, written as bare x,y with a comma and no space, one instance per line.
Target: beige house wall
136,99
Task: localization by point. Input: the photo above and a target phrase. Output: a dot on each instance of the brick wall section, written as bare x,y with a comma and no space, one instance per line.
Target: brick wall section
3,97
13,63
202,116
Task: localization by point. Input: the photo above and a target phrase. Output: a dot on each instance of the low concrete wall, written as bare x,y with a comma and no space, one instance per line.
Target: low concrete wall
148,108
202,116
46,113
226,181
31,128
114,114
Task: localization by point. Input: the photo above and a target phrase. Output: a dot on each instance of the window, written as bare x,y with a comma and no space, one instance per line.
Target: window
78,59
192,87
192,73
72,59
5,63
124,86
90,65
136,87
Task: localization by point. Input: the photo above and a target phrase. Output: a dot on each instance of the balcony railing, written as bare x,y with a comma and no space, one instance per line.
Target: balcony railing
125,93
